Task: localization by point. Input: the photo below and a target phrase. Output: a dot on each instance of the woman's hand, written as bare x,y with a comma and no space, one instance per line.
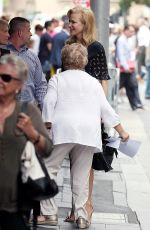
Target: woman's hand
25,124
122,133
124,136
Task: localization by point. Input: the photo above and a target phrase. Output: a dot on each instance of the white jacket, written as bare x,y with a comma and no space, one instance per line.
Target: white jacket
75,104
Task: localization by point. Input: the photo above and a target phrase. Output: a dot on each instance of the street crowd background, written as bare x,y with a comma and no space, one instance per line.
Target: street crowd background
130,40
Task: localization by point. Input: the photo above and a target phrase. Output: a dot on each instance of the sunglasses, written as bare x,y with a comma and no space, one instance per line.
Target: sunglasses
7,78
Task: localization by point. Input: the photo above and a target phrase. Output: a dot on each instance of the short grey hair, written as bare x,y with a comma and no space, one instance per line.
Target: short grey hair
18,64
74,56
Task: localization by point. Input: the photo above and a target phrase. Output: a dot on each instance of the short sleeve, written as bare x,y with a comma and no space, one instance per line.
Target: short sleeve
97,63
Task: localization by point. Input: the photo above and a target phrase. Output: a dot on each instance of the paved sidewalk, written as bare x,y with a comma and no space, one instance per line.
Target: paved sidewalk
136,171
111,211
121,197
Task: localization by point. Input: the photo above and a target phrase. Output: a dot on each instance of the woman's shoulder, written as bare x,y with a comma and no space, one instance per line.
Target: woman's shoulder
95,45
28,108
94,48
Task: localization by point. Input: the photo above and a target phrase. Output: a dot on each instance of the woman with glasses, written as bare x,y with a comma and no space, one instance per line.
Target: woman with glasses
15,129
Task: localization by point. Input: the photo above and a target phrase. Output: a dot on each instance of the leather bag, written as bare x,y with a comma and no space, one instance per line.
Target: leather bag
36,184
131,65
102,160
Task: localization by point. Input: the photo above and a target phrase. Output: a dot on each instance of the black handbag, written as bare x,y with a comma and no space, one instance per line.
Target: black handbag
103,160
36,184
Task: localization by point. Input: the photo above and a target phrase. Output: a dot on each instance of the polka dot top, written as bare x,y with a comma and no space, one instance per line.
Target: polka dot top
97,63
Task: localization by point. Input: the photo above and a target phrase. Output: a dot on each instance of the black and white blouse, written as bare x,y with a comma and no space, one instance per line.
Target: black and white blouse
97,63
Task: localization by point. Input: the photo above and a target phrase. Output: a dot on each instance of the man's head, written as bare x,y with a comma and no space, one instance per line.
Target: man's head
3,32
19,29
49,26
39,29
129,31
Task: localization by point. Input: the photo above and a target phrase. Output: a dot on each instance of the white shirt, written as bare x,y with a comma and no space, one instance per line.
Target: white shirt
75,103
143,36
123,52
36,44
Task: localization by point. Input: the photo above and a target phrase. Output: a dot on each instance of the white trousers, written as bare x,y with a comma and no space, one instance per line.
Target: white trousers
81,160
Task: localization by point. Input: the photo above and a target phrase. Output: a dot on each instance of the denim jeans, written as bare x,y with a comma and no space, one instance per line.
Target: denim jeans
129,81
46,66
147,91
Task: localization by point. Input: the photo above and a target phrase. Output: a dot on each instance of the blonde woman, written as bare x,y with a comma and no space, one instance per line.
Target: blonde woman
83,30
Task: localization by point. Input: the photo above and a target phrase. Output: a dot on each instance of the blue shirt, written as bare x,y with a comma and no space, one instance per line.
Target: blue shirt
44,52
123,53
35,87
57,45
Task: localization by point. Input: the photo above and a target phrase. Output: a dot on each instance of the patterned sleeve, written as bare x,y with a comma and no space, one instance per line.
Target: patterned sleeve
97,63
40,83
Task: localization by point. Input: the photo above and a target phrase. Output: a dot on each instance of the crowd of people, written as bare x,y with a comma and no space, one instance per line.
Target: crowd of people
59,102
129,50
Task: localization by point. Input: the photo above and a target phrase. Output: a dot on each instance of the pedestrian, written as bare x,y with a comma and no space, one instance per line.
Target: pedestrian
45,48
58,43
83,30
127,68
35,87
36,38
15,129
74,106
4,35
147,62
143,38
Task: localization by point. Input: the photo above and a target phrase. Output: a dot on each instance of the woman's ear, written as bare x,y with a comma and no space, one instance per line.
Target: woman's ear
18,91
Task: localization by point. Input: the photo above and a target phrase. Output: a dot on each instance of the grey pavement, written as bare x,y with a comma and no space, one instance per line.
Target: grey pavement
111,210
121,197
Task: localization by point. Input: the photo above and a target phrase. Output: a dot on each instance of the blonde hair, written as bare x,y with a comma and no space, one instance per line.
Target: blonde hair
3,24
74,56
88,20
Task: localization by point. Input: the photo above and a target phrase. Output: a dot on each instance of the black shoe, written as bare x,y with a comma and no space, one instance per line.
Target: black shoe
134,107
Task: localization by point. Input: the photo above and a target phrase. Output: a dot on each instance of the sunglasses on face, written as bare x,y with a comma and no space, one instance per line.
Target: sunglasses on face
7,78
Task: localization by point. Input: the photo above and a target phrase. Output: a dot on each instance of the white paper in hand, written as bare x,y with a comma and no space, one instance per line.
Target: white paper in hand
129,148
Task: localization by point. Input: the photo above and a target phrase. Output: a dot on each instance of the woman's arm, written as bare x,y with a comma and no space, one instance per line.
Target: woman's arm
104,84
122,133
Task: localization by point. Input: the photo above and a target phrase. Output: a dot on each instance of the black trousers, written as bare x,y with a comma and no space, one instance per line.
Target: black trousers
12,221
129,81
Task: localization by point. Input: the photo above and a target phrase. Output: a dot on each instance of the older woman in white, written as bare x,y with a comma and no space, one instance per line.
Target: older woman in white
74,106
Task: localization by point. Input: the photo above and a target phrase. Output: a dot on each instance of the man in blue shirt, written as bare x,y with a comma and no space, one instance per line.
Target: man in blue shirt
36,86
127,71
45,48
57,45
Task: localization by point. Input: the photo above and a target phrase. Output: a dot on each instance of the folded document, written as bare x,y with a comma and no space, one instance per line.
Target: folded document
129,148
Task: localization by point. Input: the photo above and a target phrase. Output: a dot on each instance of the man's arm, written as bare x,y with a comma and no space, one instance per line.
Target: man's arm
40,83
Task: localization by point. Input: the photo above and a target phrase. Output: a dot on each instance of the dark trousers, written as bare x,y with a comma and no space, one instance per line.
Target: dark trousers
140,59
12,221
129,81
